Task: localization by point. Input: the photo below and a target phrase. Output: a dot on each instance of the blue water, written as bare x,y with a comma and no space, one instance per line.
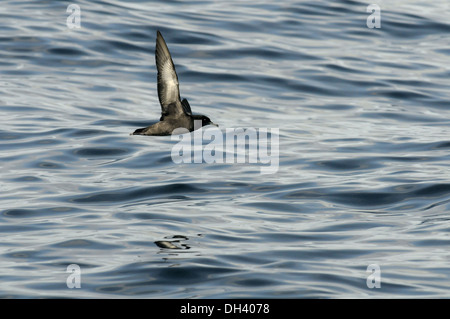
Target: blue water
364,150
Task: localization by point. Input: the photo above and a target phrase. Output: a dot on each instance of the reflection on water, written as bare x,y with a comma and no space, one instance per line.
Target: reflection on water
175,242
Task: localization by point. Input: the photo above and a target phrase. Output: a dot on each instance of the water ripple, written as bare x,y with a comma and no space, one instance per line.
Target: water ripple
363,116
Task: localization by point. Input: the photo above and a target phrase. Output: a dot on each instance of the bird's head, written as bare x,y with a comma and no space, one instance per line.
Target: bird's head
206,121
203,120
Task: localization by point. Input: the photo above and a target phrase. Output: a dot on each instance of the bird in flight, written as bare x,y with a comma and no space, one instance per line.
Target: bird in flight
175,113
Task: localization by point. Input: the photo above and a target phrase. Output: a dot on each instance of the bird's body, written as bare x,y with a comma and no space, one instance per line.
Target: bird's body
175,113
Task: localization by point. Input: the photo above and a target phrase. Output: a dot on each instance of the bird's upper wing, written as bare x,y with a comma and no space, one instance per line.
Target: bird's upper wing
186,107
168,90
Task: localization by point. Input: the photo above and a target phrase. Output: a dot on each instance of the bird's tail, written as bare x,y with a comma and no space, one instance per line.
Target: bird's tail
139,131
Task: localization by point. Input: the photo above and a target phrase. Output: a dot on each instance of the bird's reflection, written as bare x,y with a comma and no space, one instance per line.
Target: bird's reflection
173,242
177,247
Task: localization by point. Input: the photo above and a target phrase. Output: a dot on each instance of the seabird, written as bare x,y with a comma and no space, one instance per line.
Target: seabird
175,113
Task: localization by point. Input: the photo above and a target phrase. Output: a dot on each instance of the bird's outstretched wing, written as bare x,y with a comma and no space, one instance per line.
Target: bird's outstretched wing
186,107
168,89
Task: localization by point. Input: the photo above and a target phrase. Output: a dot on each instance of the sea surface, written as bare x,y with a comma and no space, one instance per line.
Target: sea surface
358,207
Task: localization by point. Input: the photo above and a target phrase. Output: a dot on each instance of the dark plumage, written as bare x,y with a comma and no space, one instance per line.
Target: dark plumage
174,112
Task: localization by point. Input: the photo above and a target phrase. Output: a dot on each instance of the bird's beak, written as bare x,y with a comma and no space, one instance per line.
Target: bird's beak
211,123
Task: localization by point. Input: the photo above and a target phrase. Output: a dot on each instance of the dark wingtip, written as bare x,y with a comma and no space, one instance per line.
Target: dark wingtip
159,40
186,107
159,35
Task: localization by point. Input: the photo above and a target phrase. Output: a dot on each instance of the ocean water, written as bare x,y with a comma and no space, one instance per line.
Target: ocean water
364,151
